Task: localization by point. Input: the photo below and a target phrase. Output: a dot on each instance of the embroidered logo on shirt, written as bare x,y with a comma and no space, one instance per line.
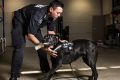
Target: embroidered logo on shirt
40,21
40,6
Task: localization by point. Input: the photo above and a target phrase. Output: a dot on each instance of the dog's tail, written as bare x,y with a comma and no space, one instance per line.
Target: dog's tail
101,44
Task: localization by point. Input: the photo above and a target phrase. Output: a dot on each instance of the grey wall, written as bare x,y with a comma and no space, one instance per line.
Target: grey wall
107,6
77,14
1,23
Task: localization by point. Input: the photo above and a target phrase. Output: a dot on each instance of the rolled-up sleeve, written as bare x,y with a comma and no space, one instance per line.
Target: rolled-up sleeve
33,25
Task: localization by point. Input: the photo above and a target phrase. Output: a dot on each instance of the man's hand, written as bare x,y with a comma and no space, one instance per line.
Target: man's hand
52,52
63,41
48,49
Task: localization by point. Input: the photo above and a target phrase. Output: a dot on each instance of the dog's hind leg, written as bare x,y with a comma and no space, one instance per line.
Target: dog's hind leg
90,59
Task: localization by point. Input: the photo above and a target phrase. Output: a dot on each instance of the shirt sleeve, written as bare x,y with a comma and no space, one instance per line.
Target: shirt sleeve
34,28
33,25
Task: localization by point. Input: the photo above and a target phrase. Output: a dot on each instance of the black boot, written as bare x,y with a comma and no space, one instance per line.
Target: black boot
13,79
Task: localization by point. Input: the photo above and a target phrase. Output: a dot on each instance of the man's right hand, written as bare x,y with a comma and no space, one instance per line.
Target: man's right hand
48,49
52,52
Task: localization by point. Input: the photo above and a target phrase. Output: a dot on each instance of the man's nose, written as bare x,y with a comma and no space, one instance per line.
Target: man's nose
59,15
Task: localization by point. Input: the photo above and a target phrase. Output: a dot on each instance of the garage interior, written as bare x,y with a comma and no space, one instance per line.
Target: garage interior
96,20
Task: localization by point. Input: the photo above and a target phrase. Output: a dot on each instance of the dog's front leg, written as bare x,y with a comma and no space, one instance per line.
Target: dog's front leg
48,75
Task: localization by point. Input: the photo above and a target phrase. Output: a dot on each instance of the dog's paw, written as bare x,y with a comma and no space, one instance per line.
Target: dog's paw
42,78
45,77
92,78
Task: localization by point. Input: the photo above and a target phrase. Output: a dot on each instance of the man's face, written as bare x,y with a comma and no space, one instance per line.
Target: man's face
55,12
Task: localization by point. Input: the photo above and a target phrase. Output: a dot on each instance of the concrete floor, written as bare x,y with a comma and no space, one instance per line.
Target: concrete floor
108,65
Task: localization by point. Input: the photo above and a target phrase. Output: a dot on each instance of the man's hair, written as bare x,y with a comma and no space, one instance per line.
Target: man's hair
56,3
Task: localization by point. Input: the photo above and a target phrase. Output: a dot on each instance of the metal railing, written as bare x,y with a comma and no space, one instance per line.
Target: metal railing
2,45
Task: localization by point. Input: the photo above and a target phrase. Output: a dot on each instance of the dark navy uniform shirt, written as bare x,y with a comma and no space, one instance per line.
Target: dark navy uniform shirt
34,17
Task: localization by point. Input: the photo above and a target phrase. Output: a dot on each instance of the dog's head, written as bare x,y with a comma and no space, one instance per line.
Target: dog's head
54,41
51,39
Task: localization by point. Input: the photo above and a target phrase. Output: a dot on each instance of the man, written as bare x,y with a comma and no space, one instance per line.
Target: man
27,23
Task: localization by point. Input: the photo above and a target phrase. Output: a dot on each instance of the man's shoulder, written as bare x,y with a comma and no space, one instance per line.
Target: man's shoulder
34,6
34,9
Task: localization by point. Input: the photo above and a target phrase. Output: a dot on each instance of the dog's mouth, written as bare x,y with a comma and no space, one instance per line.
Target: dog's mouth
51,40
54,41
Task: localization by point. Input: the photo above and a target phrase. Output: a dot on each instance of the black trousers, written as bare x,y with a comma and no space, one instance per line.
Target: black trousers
17,59
44,64
19,42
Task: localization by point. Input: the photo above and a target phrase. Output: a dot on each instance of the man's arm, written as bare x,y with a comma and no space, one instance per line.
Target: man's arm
33,39
51,32
39,44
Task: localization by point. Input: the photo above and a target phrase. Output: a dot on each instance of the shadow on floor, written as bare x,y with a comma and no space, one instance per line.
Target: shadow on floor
2,78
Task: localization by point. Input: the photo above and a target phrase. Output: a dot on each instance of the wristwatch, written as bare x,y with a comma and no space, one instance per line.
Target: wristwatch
38,46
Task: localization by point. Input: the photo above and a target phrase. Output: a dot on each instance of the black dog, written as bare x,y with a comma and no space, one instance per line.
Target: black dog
69,52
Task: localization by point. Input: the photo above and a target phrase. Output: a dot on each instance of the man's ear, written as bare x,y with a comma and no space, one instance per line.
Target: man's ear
50,9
